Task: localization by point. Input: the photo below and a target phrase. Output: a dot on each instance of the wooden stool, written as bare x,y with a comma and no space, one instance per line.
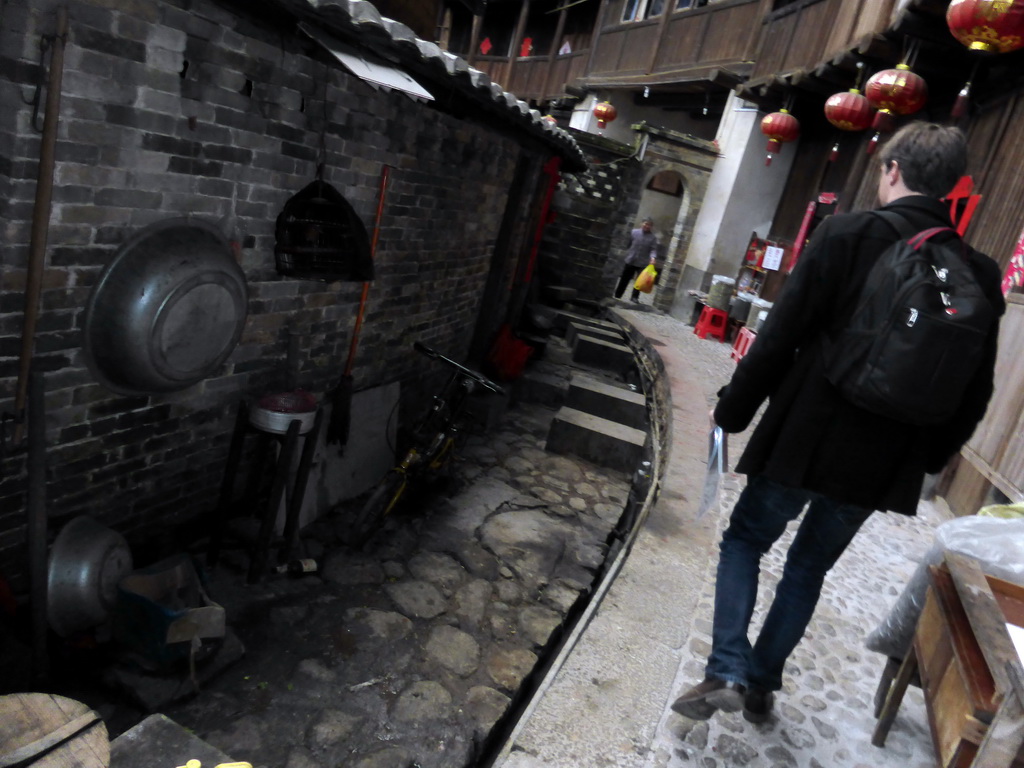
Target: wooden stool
743,341
713,322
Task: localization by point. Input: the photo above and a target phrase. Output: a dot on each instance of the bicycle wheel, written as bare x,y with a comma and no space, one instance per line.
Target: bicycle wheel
377,507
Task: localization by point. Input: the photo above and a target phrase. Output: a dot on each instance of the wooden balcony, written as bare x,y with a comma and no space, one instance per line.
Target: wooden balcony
687,45
534,78
791,38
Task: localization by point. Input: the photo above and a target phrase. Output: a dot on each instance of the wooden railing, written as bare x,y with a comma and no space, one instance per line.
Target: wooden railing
689,38
791,38
539,78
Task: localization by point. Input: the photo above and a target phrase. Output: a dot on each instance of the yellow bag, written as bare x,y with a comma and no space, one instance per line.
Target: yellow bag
645,280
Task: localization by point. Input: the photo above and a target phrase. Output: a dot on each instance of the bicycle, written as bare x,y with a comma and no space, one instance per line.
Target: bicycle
432,444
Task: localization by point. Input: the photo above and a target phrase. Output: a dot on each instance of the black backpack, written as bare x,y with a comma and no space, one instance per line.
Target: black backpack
918,331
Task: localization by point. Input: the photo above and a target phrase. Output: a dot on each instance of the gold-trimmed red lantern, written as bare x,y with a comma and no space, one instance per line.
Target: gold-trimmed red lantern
605,113
848,111
779,127
990,26
893,91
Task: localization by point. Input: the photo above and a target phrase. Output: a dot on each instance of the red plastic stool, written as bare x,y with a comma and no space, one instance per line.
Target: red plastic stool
743,341
712,322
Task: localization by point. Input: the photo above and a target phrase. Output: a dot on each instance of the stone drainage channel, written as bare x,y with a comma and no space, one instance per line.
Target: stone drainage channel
425,647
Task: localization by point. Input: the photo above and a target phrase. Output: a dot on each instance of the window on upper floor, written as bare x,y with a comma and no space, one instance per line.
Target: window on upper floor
638,10
682,5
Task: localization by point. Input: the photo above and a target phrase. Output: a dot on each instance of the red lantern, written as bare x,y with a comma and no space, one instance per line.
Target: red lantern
847,111
605,113
779,127
898,91
992,26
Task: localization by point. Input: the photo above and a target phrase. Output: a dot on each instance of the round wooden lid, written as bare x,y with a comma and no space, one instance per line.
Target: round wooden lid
42,730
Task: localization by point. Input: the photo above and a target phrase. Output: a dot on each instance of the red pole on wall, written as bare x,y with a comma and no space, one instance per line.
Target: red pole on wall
552,169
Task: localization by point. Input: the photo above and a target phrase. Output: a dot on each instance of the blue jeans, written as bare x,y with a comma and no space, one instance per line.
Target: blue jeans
758,520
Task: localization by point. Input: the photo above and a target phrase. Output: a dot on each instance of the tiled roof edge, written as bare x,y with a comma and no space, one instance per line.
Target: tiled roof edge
376,32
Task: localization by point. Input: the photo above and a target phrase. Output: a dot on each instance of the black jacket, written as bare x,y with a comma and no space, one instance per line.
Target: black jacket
809,436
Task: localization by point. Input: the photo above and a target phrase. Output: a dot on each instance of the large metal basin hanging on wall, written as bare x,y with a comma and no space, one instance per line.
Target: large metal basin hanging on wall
167,311
320,237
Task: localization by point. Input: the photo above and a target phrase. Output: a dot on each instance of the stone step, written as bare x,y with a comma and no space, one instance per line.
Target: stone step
604,399
606,443
575,329
559,294
543,388
602,354
563,317
558,352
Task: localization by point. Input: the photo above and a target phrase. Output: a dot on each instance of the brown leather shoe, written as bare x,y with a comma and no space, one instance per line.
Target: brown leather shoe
701,701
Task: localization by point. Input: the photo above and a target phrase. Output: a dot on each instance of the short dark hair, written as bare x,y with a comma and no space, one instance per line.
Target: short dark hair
932,157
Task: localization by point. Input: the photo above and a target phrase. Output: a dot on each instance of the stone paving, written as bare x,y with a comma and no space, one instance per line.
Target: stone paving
418,650
825,710
609,704
411,651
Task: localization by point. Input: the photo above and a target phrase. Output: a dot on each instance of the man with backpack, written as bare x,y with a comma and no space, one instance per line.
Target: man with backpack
863,401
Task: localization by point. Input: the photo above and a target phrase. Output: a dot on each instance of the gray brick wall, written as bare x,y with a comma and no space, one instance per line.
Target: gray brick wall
584,247
579,249
182,108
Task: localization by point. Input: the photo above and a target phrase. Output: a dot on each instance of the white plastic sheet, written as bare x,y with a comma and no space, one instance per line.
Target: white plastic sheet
998,544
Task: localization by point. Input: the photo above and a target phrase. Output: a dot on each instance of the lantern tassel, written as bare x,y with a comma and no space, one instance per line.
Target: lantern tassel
883,121
834,154
768,159
963,100
873,144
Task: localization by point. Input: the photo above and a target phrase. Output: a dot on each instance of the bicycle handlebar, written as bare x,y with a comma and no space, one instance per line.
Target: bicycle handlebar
477,377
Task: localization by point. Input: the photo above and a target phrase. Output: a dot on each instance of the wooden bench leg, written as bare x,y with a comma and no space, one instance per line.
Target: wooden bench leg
888,712
892,666
1004,737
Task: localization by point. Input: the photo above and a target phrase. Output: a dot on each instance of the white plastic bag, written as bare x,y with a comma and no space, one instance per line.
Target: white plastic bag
718,464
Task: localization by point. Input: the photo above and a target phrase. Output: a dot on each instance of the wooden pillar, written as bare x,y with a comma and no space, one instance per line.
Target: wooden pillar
443,32
474,36
598,23
666,12
524,12
552,53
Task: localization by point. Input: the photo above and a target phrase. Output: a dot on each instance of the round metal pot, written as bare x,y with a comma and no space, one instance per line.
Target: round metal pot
87,561
167,311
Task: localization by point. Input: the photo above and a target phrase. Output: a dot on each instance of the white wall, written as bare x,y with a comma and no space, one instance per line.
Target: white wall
629,114
741,198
